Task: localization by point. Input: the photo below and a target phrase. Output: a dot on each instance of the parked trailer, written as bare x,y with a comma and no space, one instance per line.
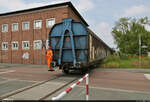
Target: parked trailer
75,46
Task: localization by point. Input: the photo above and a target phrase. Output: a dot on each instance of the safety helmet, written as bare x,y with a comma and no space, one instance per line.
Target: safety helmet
49,47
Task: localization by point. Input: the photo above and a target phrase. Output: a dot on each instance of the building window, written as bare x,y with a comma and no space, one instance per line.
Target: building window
4,45
4,27
25,25
37,24
50,22
25,45
15,45
47,44
15,27
37,44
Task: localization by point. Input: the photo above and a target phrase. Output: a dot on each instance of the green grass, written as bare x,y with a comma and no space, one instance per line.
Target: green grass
125,61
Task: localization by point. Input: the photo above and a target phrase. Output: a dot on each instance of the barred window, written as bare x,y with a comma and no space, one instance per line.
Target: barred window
4,45
15,27
37,44
37,24
47,44
25,25
25,45
4,27
50,22
15,45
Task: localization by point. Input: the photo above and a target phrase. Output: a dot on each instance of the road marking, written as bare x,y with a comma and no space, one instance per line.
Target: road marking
10,71
113,89
7,99
6,81
147,76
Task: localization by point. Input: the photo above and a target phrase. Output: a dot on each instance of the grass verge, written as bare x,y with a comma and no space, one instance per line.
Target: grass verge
129,61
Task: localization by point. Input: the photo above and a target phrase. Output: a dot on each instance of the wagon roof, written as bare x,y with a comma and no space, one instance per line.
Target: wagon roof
91,32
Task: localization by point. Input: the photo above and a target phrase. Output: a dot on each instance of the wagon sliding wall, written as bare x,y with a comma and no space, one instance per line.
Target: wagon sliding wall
24,34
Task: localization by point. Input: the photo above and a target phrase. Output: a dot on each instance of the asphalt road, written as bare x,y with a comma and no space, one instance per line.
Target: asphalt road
104,84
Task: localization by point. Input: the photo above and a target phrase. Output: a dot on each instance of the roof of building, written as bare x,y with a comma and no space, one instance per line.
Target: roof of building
45,7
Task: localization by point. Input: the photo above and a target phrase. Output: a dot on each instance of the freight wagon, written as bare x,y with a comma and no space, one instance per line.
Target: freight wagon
75,46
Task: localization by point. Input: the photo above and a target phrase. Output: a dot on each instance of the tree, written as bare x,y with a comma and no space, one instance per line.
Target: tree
126,34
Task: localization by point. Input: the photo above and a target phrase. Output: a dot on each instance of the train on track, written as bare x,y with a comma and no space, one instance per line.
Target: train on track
75,46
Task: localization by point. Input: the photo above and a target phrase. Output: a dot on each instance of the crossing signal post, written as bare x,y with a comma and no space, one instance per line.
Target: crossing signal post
139,51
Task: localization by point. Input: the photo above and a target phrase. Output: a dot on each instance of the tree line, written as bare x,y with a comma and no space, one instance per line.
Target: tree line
126,34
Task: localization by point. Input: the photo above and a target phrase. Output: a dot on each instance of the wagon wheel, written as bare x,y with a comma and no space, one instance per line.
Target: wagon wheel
65,68
83,71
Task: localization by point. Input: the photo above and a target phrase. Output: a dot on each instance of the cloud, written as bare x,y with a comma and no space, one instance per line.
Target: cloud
13,5
85,5
136,10
103,30
59,1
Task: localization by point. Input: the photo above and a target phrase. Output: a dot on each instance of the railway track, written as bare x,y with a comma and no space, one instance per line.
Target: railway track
41,90
46,96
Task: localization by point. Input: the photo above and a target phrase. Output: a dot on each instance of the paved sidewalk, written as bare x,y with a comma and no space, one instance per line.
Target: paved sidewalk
7,65
136,70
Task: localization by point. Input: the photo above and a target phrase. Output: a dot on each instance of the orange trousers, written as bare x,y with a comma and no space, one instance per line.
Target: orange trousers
49,62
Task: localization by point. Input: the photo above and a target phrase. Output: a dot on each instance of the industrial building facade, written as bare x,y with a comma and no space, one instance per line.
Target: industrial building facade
24,33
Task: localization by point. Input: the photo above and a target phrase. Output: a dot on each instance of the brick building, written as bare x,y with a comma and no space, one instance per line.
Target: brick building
24,33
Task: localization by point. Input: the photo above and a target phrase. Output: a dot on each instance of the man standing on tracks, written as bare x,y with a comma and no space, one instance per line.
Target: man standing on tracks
49,56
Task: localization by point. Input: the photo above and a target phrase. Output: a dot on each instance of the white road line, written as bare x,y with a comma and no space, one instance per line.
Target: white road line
113,89
8,80
7,99
10,71
2,70
147,76
2,82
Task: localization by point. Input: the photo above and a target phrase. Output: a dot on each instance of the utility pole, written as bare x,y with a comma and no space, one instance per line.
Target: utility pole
139,50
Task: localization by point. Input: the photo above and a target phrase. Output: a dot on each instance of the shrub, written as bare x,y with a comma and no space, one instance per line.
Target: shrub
125,61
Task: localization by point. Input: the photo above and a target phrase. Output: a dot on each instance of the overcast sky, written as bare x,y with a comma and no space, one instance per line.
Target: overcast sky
99,14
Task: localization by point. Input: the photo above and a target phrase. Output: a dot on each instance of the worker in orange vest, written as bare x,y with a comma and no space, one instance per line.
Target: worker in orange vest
49,56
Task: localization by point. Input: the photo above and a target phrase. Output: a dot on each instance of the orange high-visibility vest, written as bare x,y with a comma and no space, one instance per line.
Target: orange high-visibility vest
49,56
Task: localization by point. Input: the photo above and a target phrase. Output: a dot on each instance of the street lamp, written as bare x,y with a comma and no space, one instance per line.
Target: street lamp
140,48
